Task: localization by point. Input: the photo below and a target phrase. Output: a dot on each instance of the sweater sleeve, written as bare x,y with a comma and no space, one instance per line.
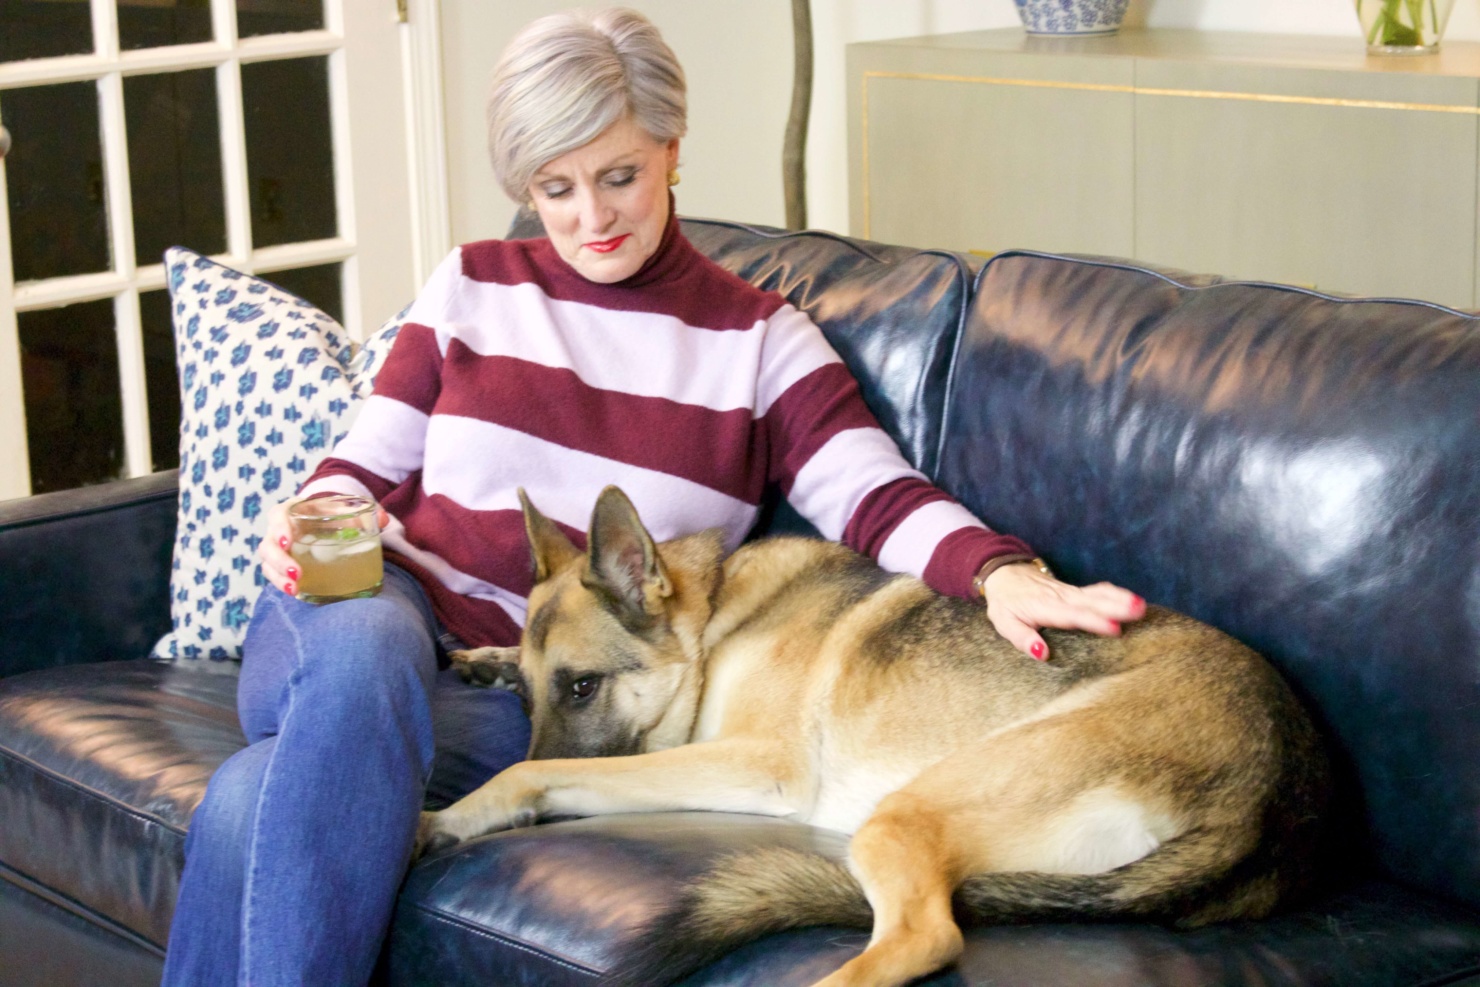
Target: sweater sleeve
387,441
844,473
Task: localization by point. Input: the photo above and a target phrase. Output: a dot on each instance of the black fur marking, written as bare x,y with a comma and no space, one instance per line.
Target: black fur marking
539,623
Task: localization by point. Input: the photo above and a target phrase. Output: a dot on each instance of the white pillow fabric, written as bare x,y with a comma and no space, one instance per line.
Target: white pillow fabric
268,385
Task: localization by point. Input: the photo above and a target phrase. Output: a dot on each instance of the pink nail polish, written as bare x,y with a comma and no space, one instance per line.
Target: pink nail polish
290,589
283,543
1037,650
293,573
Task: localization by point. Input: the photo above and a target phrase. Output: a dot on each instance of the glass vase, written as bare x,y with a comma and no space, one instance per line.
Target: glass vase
1403,27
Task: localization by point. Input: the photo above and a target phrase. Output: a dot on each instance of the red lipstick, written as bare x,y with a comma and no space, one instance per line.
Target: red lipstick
607,246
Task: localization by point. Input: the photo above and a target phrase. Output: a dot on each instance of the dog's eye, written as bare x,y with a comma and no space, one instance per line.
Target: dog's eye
584,688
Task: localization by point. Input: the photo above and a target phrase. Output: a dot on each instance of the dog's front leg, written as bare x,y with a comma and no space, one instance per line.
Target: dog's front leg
731,775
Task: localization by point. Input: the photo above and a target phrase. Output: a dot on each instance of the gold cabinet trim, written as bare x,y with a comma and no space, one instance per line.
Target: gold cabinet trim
1362,104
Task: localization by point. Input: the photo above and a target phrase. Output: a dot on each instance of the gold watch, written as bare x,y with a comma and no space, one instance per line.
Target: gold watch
979,581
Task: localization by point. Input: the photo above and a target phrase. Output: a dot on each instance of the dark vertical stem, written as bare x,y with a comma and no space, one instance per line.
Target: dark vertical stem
794,150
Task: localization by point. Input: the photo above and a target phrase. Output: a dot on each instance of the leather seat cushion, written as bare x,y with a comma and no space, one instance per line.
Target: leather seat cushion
101,767
556,904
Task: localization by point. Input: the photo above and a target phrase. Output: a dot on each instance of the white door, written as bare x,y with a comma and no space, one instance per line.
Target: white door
270,134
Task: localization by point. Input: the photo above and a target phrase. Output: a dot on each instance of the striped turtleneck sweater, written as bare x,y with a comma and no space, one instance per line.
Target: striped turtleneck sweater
685,386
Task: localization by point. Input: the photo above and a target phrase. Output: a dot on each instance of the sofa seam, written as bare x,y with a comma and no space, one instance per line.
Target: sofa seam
1224,283
136,501
1454,977
503,938
36,889
88,790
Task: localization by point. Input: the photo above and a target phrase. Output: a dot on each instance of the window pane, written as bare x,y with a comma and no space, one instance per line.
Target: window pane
319,286
74,415
42,28
161,379
254,17
153,23
58,214
174,161
290,160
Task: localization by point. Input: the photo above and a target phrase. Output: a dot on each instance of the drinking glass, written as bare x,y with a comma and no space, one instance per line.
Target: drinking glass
336,543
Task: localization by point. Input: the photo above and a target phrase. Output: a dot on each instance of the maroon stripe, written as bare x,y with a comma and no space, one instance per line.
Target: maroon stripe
488,545
379,486
961,554
412,373
708,447
812,411
684,284
884,508
477,623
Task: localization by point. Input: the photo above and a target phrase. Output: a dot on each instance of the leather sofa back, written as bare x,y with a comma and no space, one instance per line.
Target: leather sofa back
1300,470
116,604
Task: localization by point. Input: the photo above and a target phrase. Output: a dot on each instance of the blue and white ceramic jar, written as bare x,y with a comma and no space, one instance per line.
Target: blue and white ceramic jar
1072,16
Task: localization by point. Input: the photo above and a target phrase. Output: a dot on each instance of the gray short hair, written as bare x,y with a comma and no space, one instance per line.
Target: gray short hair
565,78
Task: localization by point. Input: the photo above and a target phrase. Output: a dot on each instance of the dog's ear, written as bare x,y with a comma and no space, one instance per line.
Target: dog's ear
625,566
548,546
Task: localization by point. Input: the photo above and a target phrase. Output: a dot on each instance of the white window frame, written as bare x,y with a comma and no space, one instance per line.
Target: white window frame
107,67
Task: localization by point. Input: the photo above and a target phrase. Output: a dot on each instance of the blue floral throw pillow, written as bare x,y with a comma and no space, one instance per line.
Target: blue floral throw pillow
268,385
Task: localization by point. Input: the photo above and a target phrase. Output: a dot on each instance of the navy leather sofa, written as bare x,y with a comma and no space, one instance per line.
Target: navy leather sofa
1300,470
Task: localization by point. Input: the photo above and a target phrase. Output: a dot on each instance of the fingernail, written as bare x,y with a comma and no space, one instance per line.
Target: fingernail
1115,627
293,573
1037,650
283,543
290,589
1137,602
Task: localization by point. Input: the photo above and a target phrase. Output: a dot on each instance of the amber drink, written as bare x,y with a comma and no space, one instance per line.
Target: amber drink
336,543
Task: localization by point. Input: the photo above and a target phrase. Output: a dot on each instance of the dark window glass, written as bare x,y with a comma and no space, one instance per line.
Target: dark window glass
43,28
161,379
74,415
290,160
58,203
254,17
174,161
154,23
319,286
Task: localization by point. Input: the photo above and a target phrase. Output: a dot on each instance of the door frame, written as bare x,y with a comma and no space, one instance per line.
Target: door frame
392,207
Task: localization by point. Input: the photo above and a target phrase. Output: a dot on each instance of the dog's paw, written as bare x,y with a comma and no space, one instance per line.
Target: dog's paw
489,668
429,838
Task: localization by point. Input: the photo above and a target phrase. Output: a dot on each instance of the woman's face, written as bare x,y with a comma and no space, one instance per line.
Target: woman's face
605,204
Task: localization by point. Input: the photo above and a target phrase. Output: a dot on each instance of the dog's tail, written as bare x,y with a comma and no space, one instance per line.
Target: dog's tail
746,895
754,893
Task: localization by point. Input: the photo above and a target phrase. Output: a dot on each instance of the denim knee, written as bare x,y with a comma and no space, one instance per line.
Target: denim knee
375,654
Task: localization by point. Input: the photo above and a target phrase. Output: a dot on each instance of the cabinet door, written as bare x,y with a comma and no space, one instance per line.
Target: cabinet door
1349,181
995,156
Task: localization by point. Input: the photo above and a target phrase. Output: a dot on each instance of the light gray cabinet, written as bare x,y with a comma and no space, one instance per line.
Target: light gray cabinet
1300,160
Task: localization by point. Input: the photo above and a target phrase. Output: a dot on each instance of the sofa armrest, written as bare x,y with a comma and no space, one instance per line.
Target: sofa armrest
85,574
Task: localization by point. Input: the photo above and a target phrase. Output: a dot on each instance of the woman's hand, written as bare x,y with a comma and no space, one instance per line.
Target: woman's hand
1021,598
278,567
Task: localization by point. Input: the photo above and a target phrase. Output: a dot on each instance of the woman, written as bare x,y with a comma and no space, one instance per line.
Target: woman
611,352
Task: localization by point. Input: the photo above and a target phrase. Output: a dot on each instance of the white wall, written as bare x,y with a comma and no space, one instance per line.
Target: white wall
738,57
738,99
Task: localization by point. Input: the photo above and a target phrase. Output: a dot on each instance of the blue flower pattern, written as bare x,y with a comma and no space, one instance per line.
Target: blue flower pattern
1072,16
233,392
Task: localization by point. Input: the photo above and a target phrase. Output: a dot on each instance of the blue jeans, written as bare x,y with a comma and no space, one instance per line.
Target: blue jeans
295,854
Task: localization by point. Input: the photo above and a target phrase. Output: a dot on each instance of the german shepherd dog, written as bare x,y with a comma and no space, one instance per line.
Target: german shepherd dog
1165,775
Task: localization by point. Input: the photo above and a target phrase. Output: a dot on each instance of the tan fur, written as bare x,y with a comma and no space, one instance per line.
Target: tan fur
1166,774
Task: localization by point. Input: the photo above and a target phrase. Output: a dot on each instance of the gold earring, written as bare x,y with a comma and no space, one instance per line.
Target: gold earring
673,177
